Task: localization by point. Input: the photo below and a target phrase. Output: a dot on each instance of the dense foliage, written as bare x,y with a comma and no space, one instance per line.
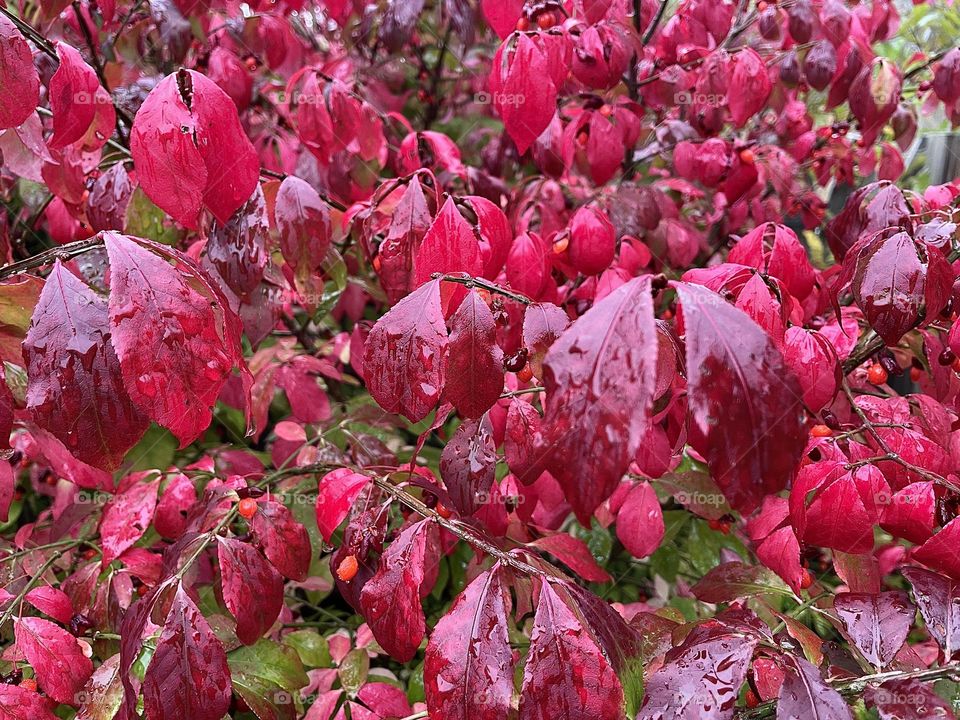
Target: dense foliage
478,359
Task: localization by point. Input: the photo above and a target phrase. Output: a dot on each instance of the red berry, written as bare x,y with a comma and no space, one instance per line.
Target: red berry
561,244
526,374
751,699
946,357
546,20
248,508
956,365
523,24
142,590
377,264
807,580
747,157
347,569
606,110
876,374
443,511
29,684
915,374
821,431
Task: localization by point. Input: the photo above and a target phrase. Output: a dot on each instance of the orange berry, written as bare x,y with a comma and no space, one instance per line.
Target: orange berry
377,264
606,110
747,157
523,24
561,244
761,6
248,508
443,511
876,374
29,684
525,374
806,580
821,431
915,374
956,365
667,314
751,699
582,139
347,569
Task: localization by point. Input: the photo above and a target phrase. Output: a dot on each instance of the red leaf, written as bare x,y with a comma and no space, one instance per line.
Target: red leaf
573,553
776,250
56,657
940,551
403,358
188,676
468,465
75,386
877,623
190,150
523,90
543,323
177,346
468,668
239,248
18,77
474,360
745,404
502,15
127,517
701,677
567,674
391,598
600,377
451,245
305,226
175,502
8,483
814,361
804,694
749,86
938,598
53,602
640,521
911,513
336,494
282,539
252,589
75,99
17,703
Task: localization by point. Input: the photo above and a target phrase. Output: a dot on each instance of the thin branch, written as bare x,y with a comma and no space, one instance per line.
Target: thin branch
39,40
472,282
122,117
274,175
654,24
48,257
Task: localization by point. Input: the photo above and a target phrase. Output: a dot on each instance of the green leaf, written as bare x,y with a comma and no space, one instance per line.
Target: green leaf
311,646
144,219
268,676
354,669
156,449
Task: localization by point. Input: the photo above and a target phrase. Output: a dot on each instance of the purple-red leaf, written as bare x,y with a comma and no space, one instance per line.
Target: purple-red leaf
877,623
701,677
745,404
177,346
567,674
523,90
56,657
76,98
188,676
468,669
474,360
391,598
804,694
938,598
304,223
252,589
573,553
403,358
19,703
282,539
75,386
600,377
907,700
468,465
